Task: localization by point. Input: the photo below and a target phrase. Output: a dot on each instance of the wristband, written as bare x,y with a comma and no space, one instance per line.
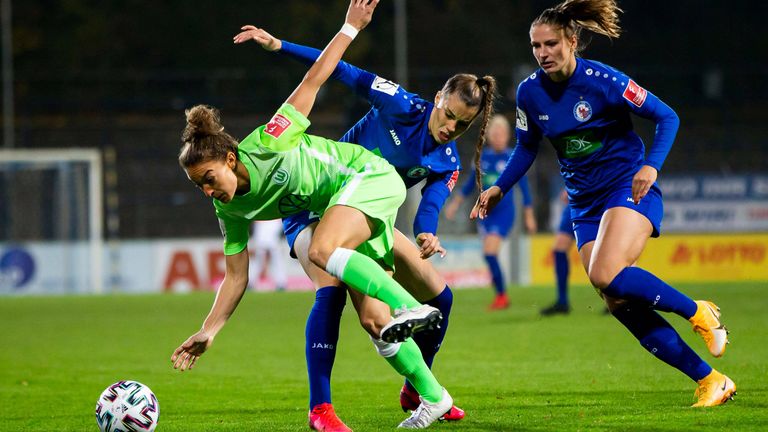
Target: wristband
349,30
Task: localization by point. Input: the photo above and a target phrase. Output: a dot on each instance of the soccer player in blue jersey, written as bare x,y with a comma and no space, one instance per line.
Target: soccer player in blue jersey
496,226
417,137
583,107
564,240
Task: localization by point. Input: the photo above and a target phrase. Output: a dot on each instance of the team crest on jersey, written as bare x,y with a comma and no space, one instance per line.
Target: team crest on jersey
384,85
635,94
281,176
277,125
582,111
521,120
417,172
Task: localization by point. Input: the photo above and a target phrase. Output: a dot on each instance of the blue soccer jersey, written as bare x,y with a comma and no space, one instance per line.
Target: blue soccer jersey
396,128
587,120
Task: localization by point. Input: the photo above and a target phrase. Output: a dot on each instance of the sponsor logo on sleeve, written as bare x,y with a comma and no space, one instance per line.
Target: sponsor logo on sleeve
635,94
452,181
521,120
277,125
384,85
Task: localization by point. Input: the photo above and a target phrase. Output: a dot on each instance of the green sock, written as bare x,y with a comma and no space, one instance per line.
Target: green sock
409,363
366,276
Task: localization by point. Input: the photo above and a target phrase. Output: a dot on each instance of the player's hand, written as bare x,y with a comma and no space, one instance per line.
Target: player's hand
642,182
266,40
187,354
360,12
430,245
486,202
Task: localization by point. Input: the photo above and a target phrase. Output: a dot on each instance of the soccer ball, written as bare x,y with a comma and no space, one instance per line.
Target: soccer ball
127,406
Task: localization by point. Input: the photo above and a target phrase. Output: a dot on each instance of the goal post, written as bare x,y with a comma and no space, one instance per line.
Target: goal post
42,193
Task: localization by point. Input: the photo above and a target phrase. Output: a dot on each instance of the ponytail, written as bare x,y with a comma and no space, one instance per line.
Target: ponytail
487,85
598,16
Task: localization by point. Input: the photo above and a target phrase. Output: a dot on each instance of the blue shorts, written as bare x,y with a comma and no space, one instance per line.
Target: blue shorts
566,225
499,221
586,220
294,224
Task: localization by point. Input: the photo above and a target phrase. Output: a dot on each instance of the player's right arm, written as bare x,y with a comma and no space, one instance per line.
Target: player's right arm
378,91
227,298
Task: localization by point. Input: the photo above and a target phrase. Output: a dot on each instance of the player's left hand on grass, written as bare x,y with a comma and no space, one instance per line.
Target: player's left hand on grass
266,40
430,245
185,356
642,182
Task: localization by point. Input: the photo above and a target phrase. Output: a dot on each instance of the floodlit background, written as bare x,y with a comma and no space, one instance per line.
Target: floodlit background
92,201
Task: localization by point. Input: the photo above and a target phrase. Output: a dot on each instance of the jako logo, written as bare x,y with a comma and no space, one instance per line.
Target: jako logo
394,137
17,267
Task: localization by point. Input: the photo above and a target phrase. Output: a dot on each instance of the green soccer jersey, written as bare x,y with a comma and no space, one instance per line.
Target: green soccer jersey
290,172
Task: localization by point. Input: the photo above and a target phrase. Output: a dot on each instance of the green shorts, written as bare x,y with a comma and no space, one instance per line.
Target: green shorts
377,192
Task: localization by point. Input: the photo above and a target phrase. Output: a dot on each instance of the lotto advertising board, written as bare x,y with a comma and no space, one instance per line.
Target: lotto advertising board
675,258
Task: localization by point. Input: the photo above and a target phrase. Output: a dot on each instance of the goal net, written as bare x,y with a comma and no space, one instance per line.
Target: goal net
51,218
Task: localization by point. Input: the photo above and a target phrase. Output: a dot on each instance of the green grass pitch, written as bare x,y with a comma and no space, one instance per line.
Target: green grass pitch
509,370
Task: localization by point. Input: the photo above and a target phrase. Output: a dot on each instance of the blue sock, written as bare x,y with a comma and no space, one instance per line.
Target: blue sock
322,334
561,271
633,283
496,275
429,342
660,339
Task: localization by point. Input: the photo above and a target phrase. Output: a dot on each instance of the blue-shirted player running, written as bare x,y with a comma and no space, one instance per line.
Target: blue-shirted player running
583,107
496,226
418,137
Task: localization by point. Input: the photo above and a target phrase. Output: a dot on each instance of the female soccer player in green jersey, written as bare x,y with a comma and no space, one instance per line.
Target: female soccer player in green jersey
279,170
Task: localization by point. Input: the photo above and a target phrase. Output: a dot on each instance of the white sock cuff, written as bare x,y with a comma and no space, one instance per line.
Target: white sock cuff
337,262
385,349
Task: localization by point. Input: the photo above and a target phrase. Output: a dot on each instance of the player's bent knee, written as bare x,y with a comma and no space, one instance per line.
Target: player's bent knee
600,277
319,254
370,325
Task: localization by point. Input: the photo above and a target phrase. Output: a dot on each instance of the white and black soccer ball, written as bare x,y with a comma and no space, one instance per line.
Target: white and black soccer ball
127,406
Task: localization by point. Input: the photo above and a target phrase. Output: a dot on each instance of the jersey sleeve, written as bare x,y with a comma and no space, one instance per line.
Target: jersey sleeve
528,136
433,196
626,93
284,131
380,92
235,232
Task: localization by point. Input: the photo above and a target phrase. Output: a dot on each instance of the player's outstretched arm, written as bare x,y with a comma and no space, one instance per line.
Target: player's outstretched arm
359,15
266,40
227,298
